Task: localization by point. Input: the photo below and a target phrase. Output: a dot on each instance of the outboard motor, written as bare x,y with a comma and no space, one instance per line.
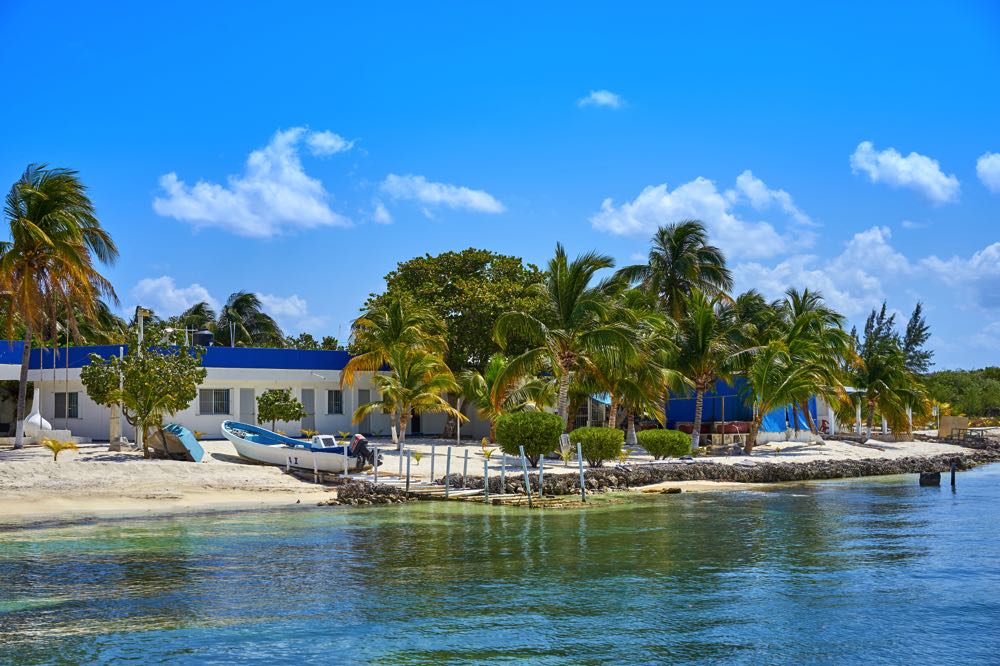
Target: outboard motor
359,447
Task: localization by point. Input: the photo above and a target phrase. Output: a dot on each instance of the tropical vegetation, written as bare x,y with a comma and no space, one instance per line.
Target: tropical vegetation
537,432
279,405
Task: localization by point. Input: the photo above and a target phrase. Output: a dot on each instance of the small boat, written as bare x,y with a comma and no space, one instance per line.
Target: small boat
264,446
175,442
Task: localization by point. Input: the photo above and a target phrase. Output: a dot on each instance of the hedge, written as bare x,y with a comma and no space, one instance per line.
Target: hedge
665,443
537,432
599,444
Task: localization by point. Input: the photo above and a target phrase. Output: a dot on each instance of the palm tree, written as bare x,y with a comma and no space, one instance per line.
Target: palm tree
706,348
55,237
774,378
575,323
385,329
680,262
880,370
415,384
499,390
243,315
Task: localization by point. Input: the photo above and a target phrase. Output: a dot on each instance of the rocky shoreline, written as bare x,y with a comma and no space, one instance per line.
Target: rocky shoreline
633,476
354,492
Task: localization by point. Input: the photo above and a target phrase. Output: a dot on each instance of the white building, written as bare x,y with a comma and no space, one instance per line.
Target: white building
235,377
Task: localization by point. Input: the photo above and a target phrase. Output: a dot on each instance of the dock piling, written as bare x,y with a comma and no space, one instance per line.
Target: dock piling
447,472
541,476
583,486
407,470
486,478
433,451
465,468
527,479
399,452
375,450
503,475
954,467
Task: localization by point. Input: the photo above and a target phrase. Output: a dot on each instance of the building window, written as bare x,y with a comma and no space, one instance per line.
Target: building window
213,401
74,405
334,402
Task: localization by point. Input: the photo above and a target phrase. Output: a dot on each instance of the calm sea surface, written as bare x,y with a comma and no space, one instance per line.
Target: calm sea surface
875,571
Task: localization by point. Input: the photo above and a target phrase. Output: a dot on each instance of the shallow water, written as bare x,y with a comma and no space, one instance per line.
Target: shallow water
836,572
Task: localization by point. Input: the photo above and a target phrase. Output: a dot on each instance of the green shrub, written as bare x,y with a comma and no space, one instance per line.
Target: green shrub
537,432
665,443
599,444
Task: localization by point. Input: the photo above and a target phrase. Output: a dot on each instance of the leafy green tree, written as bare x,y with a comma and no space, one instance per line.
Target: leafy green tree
537,432
149,382
330,343
55,240
573,325
969,392
415,384
279,405
467,291
774,378
301,341
918,357
680,262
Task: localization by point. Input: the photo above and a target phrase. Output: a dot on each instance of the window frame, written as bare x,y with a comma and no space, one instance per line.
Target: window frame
70,404
331,401
214,401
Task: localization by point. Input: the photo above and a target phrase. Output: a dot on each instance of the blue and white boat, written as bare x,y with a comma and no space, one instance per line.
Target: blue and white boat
175,442
323,453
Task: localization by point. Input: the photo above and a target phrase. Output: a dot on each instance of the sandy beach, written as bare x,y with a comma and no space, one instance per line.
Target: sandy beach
96,483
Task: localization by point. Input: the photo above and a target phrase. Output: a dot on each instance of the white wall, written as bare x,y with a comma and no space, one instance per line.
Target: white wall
94,419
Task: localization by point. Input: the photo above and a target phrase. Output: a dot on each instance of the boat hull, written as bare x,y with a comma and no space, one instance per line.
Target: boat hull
288,455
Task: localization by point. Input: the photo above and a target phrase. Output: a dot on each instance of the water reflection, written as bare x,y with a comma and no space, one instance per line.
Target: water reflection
754,577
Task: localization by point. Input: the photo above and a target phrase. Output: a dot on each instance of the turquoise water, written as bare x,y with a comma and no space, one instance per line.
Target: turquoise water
868,571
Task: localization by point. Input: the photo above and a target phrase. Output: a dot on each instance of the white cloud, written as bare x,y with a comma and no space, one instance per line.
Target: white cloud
166,299
979,274
910,224
761,197
915,171
852,281
418,188
327,143
988,170
291,313
274,194
699,199
604,98
381,215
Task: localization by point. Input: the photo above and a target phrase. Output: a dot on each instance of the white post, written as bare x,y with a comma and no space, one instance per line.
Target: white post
541,475
433,447
375,449
465,468
885,426
857,418
347,450
407,470
579,457
447,472
486,478
503,475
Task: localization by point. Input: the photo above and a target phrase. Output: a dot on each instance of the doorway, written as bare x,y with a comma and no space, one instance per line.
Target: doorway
309,402
248,411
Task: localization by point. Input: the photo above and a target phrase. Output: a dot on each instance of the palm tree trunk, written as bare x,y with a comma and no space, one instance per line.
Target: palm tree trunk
795,420
752,436
630,438
564,398
493,431
809,418
871,416
404,420
22,388
613,412
699,399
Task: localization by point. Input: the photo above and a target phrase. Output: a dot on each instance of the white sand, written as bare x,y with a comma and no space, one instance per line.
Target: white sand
94,482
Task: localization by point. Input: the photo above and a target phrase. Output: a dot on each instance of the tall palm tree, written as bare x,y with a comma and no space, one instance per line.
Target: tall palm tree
415,384
243,315
706,348
499,390
574,326
55,237
385,329
681,261
774,378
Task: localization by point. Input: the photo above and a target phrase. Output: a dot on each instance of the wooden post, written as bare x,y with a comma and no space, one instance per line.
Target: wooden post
465,468
579,457
400,454
347,451
503,475
375,449
527,479
433,448
486,478
447,472
407,470
954,466
541,476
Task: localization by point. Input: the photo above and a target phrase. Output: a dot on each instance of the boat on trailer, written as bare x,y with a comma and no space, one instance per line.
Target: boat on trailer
322,453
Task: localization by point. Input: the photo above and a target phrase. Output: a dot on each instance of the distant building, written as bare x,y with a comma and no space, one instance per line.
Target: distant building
236,376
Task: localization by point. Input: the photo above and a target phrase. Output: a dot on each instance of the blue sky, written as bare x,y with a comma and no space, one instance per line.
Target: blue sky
299,151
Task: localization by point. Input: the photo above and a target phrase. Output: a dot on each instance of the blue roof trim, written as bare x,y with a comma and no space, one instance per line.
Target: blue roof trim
215,357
